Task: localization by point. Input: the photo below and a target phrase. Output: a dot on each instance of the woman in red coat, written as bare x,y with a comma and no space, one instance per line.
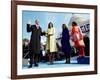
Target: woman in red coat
77,38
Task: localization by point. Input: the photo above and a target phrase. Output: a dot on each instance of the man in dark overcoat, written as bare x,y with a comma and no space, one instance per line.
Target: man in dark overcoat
35,42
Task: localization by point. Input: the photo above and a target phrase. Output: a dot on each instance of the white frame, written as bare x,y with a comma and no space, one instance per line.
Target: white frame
21,71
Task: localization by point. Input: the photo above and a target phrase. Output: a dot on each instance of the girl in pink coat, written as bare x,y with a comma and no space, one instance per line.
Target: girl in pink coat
77,38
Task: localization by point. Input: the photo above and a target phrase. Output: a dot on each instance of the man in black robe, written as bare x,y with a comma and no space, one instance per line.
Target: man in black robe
35,42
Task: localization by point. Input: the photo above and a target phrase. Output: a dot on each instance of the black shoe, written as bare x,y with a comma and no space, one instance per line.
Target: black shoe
67,61
36,65
50,63
30,66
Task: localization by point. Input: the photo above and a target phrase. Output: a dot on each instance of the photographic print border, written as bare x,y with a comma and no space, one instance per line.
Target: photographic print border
14,38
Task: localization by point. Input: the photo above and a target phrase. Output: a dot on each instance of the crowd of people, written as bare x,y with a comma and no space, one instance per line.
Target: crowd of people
51,47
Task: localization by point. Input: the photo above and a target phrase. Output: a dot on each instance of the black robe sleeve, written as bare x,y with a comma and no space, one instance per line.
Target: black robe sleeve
29,28
43,33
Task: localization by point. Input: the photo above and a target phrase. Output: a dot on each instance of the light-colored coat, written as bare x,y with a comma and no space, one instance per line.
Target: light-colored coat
51,40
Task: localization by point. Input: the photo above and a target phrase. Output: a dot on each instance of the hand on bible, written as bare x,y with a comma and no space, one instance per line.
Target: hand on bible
44,33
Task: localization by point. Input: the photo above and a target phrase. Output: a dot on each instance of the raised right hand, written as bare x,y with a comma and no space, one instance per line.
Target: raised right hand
29,22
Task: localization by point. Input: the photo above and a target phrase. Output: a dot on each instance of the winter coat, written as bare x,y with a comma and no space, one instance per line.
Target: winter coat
66,48
77,36
51,40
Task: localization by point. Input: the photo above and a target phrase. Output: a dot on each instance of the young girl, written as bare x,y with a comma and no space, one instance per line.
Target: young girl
66,48
77,38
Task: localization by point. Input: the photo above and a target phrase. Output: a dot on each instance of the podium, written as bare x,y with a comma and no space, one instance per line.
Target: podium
83,60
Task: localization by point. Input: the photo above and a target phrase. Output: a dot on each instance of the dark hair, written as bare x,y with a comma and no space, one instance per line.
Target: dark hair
64,26
74,24
49,25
